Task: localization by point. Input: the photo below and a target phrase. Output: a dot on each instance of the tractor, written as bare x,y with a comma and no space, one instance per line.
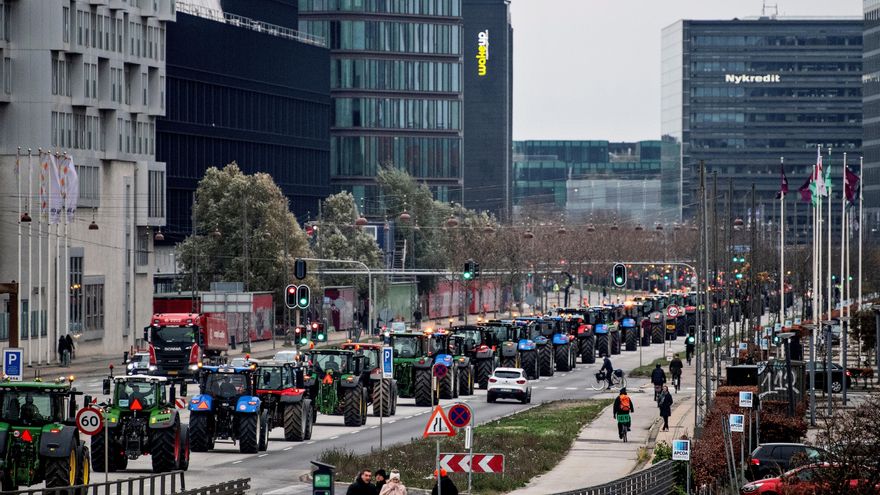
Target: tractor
341,386
540,331
580,327
382,391
517,349
415,355
284,399
141,419
461,350
564,351
480,345
228,408
39,441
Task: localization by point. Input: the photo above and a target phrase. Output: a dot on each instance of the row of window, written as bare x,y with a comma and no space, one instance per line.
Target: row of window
233,108
812,40
728,91
77,131
6,75
89,184
395,113
107,32
121,81
781,118
732,66
156,203
413,7
4,21
382,36
429,158
791,144
136,137
395,75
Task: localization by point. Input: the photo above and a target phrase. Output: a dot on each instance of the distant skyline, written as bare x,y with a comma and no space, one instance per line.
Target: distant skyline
590,69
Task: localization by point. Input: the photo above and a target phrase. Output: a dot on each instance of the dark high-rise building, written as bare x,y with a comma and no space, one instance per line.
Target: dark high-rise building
740,94
241,89
871,121
397,94
487,49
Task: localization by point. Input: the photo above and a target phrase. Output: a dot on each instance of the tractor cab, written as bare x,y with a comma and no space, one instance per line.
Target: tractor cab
336,361
275,376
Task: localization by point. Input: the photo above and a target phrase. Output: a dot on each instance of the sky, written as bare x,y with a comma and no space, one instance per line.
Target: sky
590,69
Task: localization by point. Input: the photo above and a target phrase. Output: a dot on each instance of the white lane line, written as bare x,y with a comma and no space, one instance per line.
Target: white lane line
392,421
334,438
552,388
236,462
374,427
288,448
353,432
309,443
570,388
408,417
262,455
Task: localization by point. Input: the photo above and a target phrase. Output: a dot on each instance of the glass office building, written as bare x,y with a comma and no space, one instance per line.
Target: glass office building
396,86
871,122
740,94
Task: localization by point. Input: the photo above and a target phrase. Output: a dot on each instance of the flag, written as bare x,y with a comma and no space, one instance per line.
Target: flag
44,183
851,186
783,188
56,201
817,185
72,197
806,190
827,180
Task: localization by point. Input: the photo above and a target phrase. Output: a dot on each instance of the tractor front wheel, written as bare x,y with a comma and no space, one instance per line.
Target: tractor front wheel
530,364
249,433
264,432
563,363
383,398
483,370
447,384
201,437
99,464
165,448
309,418
422,388
466,381
295,418
354,406
545,356
183,458
588,350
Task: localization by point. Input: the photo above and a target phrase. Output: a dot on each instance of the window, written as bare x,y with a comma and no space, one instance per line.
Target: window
162,92
65,24
89,185
157,193
76,291
127,82
144,86
4,21
143,248
93,310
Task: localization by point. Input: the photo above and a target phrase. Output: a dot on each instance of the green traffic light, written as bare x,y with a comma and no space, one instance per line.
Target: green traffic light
739,275
321,336
303,301
619,280
303,341
468,275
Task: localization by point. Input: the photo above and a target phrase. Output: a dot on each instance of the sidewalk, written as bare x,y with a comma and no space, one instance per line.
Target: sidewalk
599,447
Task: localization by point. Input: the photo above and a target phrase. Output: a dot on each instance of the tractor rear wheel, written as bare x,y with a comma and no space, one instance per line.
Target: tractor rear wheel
447,384
422,388
545,356
264,432
530,364
354,406
383,398
295,418
632,339
657,334
309,418
183,458
85,468
249,433
165,448
588,350
563,363
506,362
201,438
98,461
483,371
62,471
466,381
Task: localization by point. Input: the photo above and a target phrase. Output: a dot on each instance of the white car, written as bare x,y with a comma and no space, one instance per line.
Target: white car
139,364
286,356
509,383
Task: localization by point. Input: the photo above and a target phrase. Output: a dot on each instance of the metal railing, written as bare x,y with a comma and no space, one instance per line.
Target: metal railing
659,479
172,482
248,23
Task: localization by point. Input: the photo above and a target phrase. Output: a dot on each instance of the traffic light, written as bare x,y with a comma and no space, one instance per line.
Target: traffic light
318,332
777,340
619,275
290,297
299,269
469,270
303,296
301,337
476,269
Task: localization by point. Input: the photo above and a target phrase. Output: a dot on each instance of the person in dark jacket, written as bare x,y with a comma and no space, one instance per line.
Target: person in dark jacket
63,352
665,404
380,476
71,348
447,487
362,485
675,367
624,407
608,369
658,378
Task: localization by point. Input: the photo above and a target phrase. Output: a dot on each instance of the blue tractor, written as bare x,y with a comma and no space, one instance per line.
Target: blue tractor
228,408
564,351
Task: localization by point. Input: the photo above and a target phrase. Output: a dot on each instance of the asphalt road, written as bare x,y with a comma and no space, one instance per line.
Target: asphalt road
279,468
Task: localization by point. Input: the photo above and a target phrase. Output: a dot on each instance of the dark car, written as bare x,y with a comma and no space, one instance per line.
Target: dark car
772,459
838,374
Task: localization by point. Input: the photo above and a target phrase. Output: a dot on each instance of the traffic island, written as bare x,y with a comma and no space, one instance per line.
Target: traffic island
532,442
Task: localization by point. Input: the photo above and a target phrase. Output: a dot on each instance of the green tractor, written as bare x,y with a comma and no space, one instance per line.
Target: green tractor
141,419
383,392
415,355
462,350
39,441
341,387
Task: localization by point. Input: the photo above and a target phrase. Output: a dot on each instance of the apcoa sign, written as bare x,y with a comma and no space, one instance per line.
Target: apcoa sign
482,52
745,78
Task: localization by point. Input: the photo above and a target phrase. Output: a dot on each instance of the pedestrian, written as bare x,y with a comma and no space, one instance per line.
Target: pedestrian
70,347
658,378
63,353
444,485
665,404
380,476
362,484
417,316
394,486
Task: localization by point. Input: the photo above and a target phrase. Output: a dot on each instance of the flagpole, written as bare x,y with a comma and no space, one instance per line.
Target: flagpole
845,325
828,303
859,294
20,214
843,247
30,289
782,246
67,220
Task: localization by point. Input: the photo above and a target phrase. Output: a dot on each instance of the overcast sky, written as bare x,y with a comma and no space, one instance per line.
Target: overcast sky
590,69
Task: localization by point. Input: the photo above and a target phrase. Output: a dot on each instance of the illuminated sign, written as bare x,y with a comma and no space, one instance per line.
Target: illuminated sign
745,78
482,52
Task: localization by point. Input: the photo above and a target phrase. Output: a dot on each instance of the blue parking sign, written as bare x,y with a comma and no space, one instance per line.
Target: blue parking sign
12,363
387,362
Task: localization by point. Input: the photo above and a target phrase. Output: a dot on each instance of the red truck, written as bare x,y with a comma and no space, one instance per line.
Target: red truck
178,342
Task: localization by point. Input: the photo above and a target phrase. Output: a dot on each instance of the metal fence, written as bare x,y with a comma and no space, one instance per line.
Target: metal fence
153,484
659,479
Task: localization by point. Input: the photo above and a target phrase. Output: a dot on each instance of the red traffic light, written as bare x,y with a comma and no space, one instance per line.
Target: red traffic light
291,289
314,326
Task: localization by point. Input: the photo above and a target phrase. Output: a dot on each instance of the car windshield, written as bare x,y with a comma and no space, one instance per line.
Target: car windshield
501,332
271,378
174,335
141,359
29,407
136,394
508,374
406,346
372,358
285,356
226,385
326,362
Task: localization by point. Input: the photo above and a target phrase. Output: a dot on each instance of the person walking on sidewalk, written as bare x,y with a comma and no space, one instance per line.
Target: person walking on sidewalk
394,486
665,405
71,348
658,378
622,409
63,352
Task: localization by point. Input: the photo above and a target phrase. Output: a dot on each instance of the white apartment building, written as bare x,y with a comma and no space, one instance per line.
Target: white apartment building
85,77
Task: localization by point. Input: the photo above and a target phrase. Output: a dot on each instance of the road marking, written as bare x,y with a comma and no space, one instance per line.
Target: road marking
392,421
236,462
288,448
353,432
408,417
334,438
309,443
262,455
374,427
552,388
564,374
570,388
535,388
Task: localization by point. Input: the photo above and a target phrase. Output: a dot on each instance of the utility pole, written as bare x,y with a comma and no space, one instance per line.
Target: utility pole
699,401
728,226
706,293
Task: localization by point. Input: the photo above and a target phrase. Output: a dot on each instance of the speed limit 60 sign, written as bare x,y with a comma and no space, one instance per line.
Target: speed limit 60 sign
90,420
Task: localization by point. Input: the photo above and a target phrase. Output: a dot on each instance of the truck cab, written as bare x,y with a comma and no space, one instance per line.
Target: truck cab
180,342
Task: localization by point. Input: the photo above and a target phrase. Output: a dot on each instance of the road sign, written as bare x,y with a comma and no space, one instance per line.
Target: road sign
459,415
672,311
777,327
787,323
440,370
481,463
797,321
90,421
681,450
745,399
12,363
737,423
438,425
180,402
388,362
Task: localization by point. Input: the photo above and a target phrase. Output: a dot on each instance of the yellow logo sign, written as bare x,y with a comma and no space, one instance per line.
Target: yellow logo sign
482,52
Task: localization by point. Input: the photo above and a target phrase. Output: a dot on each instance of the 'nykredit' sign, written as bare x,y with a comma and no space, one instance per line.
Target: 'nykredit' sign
744,78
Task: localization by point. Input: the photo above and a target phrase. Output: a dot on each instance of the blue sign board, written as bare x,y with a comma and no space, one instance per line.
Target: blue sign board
388,362
12,363
681,450
459,415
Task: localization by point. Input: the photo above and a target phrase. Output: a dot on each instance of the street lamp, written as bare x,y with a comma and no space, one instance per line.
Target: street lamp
789,377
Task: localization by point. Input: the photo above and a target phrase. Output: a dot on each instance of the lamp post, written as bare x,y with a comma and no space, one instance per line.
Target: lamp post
789,378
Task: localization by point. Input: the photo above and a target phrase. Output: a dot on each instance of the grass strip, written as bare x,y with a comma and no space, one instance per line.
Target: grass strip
533,442
645,371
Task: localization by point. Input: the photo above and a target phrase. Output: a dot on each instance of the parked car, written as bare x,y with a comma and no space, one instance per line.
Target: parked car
798,481
509,383
139,364
772,459
288,356
838,374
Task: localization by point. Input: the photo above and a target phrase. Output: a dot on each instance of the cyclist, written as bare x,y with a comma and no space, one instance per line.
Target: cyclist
675,367
608,369
623,407
658,378
689,348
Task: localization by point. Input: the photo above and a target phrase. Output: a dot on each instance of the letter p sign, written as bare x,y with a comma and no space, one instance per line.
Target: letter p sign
12,359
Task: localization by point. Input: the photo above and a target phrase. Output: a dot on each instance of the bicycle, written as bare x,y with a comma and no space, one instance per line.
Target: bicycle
624,420
676,382
618,380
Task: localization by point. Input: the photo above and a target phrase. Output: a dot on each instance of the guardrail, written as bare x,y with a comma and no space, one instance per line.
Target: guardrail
172,482
659,479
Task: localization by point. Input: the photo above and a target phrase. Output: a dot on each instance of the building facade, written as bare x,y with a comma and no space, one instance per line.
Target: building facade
487,48
229,100
739,95
396,87
87,79
596,180
871,118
